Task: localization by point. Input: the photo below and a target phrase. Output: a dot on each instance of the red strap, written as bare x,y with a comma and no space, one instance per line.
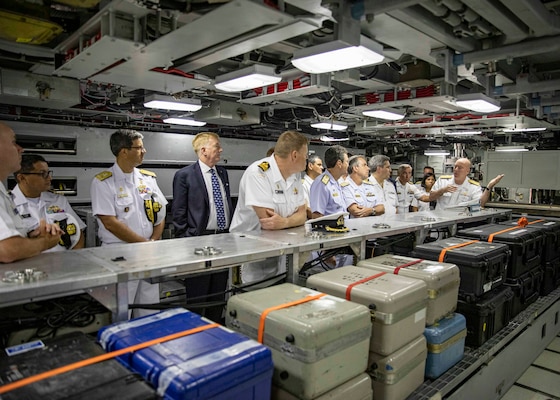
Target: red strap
397,269
265,313
442,253
103,357
369,278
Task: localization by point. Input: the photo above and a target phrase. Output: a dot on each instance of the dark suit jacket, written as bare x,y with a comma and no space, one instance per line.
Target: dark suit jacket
191,207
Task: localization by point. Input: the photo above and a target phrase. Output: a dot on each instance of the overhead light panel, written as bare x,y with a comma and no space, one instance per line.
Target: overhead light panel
463,133
390,114
184,121
511,148
163,102
525,130
337,55
477,102
331,125
247,78
436,152
326,138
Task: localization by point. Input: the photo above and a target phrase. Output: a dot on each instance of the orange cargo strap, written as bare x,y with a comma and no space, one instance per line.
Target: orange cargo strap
267,311
456,246
397,269
103,357
535,221
491,237
369,278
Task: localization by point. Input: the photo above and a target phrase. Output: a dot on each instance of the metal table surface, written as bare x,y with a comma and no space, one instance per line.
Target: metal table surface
65,273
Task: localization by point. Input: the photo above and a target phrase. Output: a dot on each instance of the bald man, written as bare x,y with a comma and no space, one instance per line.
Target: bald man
457,190
16,242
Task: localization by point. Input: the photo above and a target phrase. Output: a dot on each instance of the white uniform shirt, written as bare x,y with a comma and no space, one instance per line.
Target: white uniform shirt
11,223
386,193
52,208
306,182
422,205
406,194
362,195
262,185
124,195
467,193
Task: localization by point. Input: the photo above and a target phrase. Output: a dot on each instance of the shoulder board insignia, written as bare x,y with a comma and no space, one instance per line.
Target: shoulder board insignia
418,182
147,173
325,179
472,181
104,175
345,183
446,176
264,166
367,182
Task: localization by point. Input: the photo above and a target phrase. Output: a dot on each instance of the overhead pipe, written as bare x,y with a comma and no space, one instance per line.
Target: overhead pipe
382,7
526,48
542,20
530,87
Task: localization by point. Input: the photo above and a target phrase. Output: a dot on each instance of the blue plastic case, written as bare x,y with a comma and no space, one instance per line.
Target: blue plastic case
446,344
213,364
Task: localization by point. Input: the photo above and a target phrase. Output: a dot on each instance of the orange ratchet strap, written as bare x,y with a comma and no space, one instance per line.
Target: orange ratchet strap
369,278
443,251
103,357
397,269
520,225
267,311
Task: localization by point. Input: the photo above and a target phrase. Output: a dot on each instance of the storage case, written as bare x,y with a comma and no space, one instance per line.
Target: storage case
401,244
488,315
551,278
212,364
525,244
101,381
358,388
482,265
446,344
398,303
397,375
316,345
525,289
442,280
551,232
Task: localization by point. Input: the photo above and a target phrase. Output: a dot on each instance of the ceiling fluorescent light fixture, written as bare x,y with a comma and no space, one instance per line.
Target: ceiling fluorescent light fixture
511,148
337,55
163,102
184,121
247,78
326,138
436,152
463,133
390,114
477,102
525,130
330,125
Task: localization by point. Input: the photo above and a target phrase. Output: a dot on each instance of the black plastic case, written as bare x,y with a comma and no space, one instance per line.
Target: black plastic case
551,232
103,381
482,265
487,316
551,279
526,289
525,244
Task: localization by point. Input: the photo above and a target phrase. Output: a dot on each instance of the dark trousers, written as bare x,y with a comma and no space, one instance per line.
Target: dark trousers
208,288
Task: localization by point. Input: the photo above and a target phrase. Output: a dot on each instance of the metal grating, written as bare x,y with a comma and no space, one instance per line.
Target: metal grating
474,358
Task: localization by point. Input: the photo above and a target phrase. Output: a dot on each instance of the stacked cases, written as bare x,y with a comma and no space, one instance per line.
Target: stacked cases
398,305
318,342
483,299
445,331
524,273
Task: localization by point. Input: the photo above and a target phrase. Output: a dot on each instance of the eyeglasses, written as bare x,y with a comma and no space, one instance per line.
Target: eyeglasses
43,174
142,148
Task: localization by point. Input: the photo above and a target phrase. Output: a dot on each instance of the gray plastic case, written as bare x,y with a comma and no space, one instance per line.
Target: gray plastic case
316,346
358,388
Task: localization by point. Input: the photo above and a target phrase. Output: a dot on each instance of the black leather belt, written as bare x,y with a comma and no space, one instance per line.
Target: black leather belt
214,231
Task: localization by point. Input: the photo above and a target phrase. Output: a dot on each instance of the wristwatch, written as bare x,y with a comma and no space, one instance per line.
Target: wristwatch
373,212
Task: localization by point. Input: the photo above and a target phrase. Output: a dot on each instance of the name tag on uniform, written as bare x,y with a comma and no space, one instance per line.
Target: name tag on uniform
279,191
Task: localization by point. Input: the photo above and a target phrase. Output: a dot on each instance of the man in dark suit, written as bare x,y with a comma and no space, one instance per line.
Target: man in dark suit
202,206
